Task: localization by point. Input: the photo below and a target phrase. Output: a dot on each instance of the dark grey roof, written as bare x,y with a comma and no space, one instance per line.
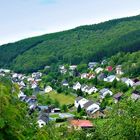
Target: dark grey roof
79,98
89,103
44,117
101,76
136,92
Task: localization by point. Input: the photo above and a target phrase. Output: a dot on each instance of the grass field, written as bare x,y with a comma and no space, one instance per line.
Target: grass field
62,98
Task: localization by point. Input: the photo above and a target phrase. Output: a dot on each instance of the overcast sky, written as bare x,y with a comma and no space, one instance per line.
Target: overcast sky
25,18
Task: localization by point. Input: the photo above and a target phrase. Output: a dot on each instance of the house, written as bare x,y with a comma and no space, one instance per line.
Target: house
98,70
87,76
21,84
31,100
48,89
90,76
109,68
127,81
91,90
43,108
135,95
78,124
34,84
62,69
119,70
65,83
14,75
105,92
83,75
36,75
117,97
101,76
21,95
91,107
29,79
80,101
77,86
136,82
84,87
111,78
97,114
92,65
5,71
47,67
56,110
43,119
104,62
72,67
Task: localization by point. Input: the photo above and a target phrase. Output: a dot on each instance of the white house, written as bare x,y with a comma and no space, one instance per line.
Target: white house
91,90
65,83
111,78
30,79
105,92
135,95
83,75
21,94
43,120
128,81
36,75
136,84
91,107
91,65
119,70
5,70
21,84
80,101
48,89
14,75
62,69
84,87
77,86
98,70
34,85
72,67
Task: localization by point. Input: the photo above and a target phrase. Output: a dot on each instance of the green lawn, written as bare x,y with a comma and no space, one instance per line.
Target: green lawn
54,115
62,98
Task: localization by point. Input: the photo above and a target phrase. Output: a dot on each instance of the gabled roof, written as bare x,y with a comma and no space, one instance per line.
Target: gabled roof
44,117
79,98
81,123
136,92
118,95
89,103
104,90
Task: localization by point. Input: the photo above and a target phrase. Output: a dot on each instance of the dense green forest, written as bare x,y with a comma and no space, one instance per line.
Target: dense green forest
130,62
123,122
79,45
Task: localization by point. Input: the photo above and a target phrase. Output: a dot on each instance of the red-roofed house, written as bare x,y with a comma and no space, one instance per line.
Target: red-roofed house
78,124
109,68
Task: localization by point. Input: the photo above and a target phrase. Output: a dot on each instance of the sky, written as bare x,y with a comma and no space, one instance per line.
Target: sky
21,19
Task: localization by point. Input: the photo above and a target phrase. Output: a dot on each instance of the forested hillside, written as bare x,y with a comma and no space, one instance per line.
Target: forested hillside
79,45
129,61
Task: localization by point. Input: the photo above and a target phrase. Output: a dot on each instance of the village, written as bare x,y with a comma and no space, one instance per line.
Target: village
74,95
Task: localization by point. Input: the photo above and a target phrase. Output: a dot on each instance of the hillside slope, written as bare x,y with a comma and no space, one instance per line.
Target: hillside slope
79,45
